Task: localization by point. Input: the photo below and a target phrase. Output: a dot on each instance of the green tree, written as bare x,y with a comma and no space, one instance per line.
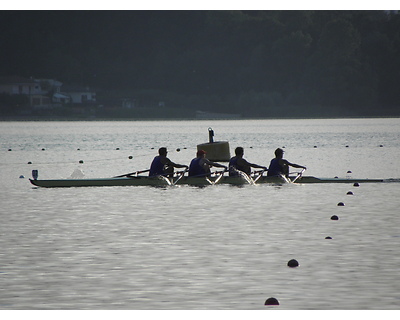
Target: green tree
334,65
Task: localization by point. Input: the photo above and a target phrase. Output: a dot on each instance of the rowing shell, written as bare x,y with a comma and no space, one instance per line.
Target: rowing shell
195,181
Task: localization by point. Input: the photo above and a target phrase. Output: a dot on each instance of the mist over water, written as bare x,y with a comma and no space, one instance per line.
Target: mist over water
183,247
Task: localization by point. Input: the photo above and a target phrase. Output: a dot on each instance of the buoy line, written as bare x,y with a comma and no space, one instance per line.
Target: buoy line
58,162
130,157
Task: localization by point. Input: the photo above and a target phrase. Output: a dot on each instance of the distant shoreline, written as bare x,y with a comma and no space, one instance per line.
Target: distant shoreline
50,119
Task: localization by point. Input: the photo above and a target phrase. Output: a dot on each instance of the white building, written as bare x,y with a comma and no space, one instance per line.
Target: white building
19,85
15,85
79,95
47,93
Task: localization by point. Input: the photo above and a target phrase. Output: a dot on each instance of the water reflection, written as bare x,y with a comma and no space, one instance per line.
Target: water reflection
186,247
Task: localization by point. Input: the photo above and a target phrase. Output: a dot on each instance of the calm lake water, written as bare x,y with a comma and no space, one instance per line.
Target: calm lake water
219,247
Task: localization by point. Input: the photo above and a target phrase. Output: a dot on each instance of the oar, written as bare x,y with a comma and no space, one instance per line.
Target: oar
209,181
132,173
261,172
181,174
217,179
171,181
299,174
287,179
244,175
166,179
220,173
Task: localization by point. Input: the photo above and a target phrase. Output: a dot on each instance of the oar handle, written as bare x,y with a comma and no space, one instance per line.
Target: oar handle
220,171
298,172
142,171
181,172
259,171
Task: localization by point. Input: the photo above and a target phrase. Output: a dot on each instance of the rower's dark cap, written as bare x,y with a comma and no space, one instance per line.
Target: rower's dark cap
201,152
279,151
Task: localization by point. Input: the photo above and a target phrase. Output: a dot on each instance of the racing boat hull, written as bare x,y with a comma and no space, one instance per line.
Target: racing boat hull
195,181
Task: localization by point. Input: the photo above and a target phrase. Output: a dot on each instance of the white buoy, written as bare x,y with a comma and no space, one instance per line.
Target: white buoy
77,174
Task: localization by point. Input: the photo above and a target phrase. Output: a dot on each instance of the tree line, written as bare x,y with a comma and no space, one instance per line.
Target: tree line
256,63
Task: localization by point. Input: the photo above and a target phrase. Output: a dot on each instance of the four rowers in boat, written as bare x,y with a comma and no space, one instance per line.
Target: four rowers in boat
200,166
